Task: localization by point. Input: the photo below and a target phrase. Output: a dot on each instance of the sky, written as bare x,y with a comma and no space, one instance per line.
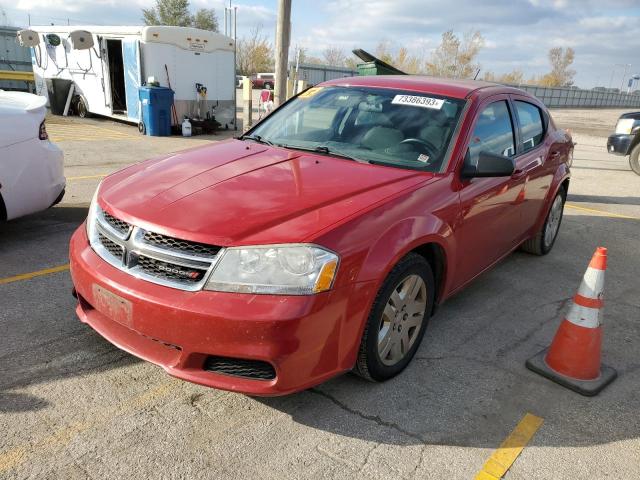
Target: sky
605,34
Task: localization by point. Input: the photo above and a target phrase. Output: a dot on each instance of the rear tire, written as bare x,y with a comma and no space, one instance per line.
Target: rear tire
543,241
634,159
397,321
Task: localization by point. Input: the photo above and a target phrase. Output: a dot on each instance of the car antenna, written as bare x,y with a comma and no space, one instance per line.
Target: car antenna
477,73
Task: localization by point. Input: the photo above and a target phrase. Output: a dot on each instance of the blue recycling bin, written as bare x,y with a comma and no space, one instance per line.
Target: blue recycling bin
156,110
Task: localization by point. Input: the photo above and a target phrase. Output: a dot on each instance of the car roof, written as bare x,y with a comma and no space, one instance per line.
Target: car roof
448,87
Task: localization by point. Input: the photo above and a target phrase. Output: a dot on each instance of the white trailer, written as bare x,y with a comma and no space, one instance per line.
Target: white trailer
108,64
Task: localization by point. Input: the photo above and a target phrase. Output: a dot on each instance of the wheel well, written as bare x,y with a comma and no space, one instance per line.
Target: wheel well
435,255
565,184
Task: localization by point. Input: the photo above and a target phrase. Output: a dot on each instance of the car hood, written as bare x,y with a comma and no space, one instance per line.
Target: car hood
239,192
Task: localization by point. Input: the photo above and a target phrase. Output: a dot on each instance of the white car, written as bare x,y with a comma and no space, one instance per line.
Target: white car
31,167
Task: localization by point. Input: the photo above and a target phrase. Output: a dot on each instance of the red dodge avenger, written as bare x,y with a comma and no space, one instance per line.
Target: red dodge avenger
323,239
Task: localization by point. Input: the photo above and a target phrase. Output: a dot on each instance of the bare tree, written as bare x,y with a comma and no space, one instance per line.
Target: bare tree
455,57
561,75
401,58
334,56
254,53
514,77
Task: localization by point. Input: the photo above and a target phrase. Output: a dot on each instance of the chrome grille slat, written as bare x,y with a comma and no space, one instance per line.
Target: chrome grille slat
168,261
112,247
170,243
118,225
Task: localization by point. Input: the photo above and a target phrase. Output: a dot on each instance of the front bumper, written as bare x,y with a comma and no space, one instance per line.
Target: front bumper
619,144
307,339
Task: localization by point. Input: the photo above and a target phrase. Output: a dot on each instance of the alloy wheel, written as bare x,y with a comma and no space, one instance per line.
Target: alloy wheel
553,222
402,319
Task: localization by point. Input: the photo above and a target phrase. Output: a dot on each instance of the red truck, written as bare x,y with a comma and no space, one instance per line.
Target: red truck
264,80
322,240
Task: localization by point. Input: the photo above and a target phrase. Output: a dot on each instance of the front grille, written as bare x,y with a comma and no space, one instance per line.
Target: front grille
239,367
150,256
112,247
117,224
170,271
184,246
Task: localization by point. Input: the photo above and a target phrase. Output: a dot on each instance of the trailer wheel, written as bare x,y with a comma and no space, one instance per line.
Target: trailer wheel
81,108
141,128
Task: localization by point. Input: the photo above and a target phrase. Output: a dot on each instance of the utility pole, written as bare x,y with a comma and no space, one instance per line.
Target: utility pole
235,67
283,33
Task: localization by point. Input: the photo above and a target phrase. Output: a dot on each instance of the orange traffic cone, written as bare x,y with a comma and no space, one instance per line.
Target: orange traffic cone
573,359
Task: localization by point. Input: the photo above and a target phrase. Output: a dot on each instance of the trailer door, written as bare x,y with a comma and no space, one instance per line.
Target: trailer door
132,78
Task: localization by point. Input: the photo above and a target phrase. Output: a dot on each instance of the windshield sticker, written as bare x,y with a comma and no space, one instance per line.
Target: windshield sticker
416,101
310,93
423,158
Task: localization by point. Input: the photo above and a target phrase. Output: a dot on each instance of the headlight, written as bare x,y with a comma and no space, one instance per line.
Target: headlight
624,126
275,269
91,215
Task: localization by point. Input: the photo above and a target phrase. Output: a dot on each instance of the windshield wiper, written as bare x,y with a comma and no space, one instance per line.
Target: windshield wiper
256,138
322,149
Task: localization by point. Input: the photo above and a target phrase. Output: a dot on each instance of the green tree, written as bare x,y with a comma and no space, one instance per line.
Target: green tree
168,12
205,19
176,13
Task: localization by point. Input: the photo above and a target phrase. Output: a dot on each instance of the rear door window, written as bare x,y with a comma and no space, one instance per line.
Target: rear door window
493,132
531,125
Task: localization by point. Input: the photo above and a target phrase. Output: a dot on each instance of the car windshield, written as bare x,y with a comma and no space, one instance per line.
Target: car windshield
390,127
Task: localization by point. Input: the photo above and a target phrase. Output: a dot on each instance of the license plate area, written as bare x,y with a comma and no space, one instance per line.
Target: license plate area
113,306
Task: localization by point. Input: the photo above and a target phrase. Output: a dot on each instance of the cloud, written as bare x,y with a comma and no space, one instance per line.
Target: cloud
518,33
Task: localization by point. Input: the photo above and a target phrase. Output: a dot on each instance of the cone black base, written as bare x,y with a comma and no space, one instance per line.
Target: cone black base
588,388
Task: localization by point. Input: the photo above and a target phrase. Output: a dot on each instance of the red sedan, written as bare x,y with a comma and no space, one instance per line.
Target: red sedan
322,240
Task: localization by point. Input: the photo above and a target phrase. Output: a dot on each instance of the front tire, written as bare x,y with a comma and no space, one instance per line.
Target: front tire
397,321
634,159
543,241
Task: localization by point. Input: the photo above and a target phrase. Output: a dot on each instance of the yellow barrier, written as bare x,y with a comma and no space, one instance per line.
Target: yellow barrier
16,75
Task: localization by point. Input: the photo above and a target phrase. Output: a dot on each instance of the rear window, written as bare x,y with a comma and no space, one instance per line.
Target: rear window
531,124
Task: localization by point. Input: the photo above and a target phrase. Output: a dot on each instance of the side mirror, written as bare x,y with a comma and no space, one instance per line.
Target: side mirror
489,165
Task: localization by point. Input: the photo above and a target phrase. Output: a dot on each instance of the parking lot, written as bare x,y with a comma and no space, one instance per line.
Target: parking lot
74,406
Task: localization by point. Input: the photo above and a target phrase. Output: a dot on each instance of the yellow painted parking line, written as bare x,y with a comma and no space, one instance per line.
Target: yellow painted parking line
30,275
502,459
86,177
601,212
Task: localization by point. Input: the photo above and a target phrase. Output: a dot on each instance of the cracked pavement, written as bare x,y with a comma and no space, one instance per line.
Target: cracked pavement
72,406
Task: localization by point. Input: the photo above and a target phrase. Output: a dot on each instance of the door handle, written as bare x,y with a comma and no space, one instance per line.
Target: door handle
521,172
